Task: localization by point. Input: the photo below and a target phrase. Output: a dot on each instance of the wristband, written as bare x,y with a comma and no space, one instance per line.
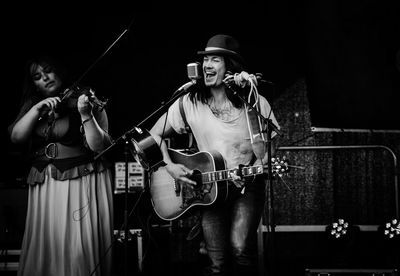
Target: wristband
87,120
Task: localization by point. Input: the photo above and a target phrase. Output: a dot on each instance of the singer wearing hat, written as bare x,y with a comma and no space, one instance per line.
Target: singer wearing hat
221,122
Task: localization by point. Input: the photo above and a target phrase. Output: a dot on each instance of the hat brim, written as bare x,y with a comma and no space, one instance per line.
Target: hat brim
223,53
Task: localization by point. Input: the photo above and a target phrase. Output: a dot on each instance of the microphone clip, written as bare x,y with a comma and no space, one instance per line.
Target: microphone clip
184,88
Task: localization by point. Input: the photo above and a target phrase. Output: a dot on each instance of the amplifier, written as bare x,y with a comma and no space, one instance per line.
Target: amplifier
136,177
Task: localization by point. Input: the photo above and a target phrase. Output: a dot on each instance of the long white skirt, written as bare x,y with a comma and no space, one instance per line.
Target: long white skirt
69,227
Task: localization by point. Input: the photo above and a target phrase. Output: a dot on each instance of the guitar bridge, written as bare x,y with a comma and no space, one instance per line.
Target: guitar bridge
177,188
193,195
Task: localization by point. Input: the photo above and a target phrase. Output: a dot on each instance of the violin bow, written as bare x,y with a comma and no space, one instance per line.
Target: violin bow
100,57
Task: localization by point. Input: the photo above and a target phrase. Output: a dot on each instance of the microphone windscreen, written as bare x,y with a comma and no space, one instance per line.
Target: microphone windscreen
194,71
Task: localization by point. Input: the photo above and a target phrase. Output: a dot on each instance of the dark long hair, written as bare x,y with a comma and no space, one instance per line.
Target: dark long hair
29,90
30,94
201,93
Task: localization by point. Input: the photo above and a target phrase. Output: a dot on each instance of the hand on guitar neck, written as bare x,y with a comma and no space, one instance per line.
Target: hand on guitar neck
236,177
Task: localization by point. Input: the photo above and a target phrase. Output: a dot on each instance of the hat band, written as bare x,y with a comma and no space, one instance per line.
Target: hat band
209,49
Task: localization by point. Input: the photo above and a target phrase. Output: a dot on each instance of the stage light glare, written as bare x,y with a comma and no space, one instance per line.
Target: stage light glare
392,228
339,229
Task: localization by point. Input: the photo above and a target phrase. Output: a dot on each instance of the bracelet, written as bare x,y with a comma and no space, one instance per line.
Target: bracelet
87,120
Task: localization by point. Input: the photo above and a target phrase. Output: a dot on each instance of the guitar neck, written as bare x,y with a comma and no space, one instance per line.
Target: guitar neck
222,175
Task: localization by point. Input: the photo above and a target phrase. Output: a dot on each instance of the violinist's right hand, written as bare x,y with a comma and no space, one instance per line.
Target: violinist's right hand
47,105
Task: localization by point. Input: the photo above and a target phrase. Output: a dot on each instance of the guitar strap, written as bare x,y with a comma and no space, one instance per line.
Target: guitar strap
192,142
182,111
253,160
255,129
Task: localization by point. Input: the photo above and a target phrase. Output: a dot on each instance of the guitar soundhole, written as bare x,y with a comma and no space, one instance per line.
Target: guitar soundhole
196,193
196,176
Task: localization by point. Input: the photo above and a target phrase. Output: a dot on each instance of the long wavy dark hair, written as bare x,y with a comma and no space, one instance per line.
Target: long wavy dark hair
30,94
29,89
202,93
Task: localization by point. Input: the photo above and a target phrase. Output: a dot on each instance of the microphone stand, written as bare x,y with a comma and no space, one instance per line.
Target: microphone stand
270,126
179,92
126,227
125,137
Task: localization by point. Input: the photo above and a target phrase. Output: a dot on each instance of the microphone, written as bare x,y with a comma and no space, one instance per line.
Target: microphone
193,73
231,78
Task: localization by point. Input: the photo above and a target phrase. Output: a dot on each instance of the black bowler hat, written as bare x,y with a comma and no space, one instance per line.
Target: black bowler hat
222,44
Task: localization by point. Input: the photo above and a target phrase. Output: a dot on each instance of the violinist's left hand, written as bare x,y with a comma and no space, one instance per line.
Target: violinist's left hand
84,104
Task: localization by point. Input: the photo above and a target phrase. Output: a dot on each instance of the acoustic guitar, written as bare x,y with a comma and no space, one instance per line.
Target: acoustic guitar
171,200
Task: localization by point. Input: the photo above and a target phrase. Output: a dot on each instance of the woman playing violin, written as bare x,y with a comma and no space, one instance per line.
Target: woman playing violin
69,219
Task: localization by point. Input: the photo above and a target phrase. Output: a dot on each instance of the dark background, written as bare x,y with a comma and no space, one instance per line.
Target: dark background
344,50
136,57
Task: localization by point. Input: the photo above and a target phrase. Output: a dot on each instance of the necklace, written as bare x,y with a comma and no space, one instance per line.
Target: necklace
223,111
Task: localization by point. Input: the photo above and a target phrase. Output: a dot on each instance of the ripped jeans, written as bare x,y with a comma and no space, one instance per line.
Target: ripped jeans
230,231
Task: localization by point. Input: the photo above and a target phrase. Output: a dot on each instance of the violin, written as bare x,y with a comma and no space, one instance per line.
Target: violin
69,99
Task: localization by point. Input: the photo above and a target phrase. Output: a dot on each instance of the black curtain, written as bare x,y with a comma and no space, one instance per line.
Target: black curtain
351,68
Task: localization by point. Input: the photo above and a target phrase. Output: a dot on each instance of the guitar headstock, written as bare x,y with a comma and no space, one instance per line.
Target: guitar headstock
280,166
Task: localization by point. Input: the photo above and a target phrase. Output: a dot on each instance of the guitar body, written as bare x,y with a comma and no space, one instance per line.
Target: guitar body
170,200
